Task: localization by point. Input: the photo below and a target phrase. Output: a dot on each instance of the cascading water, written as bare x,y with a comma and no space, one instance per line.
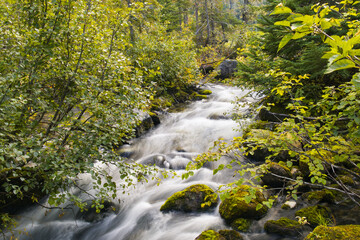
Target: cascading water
175,142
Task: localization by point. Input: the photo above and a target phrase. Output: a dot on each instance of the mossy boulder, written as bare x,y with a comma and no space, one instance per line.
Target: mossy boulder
345,232
270,179
241,224
231,235
283,227
197,96
316,215
196,198
235,206
323,195
260,153
205,92
210,235
347,180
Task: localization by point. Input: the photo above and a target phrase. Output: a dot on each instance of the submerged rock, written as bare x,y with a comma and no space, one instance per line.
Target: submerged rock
345,232
235,206
196,198
283,227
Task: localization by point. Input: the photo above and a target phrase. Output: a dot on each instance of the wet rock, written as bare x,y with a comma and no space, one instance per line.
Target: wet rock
241,224
271,178
210,234
227,68
283,227
231,235
90,215
146,123
316,215
235,207
196,198
345,232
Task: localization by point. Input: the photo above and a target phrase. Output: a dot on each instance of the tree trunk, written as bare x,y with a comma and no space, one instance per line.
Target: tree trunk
207,23
244,12
131,28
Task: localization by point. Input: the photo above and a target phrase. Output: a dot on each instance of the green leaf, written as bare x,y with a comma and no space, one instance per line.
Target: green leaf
341,64
282,23
356,80
281,9
298,35
285,40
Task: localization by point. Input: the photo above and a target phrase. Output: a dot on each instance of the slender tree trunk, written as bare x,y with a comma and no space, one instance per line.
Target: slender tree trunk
208,30
245,11
197,33
131,28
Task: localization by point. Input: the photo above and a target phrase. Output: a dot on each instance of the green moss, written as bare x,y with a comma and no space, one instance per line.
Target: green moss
195,198
241,224
347,180
197,96
235,206
205,92
210,235
323,195
231,235
316,215
283,226
345,232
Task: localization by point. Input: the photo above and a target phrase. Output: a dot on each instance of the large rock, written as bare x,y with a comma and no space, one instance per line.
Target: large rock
235,206
146,123
196,198
221,235
316,215
273,177
210,234
345,232
227,68
283,227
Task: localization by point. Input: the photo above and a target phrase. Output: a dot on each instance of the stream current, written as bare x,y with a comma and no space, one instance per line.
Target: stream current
176,141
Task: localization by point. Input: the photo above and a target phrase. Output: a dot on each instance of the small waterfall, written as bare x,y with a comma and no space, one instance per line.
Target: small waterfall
172,145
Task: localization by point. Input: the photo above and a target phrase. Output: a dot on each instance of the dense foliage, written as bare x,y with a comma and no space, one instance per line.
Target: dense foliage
318,140
74,76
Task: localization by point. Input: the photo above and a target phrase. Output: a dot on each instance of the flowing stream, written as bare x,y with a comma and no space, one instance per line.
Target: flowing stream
176,141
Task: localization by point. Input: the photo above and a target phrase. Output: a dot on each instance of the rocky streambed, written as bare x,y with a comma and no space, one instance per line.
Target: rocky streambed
187,209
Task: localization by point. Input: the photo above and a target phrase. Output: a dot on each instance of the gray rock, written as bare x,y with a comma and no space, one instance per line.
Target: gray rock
227,68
